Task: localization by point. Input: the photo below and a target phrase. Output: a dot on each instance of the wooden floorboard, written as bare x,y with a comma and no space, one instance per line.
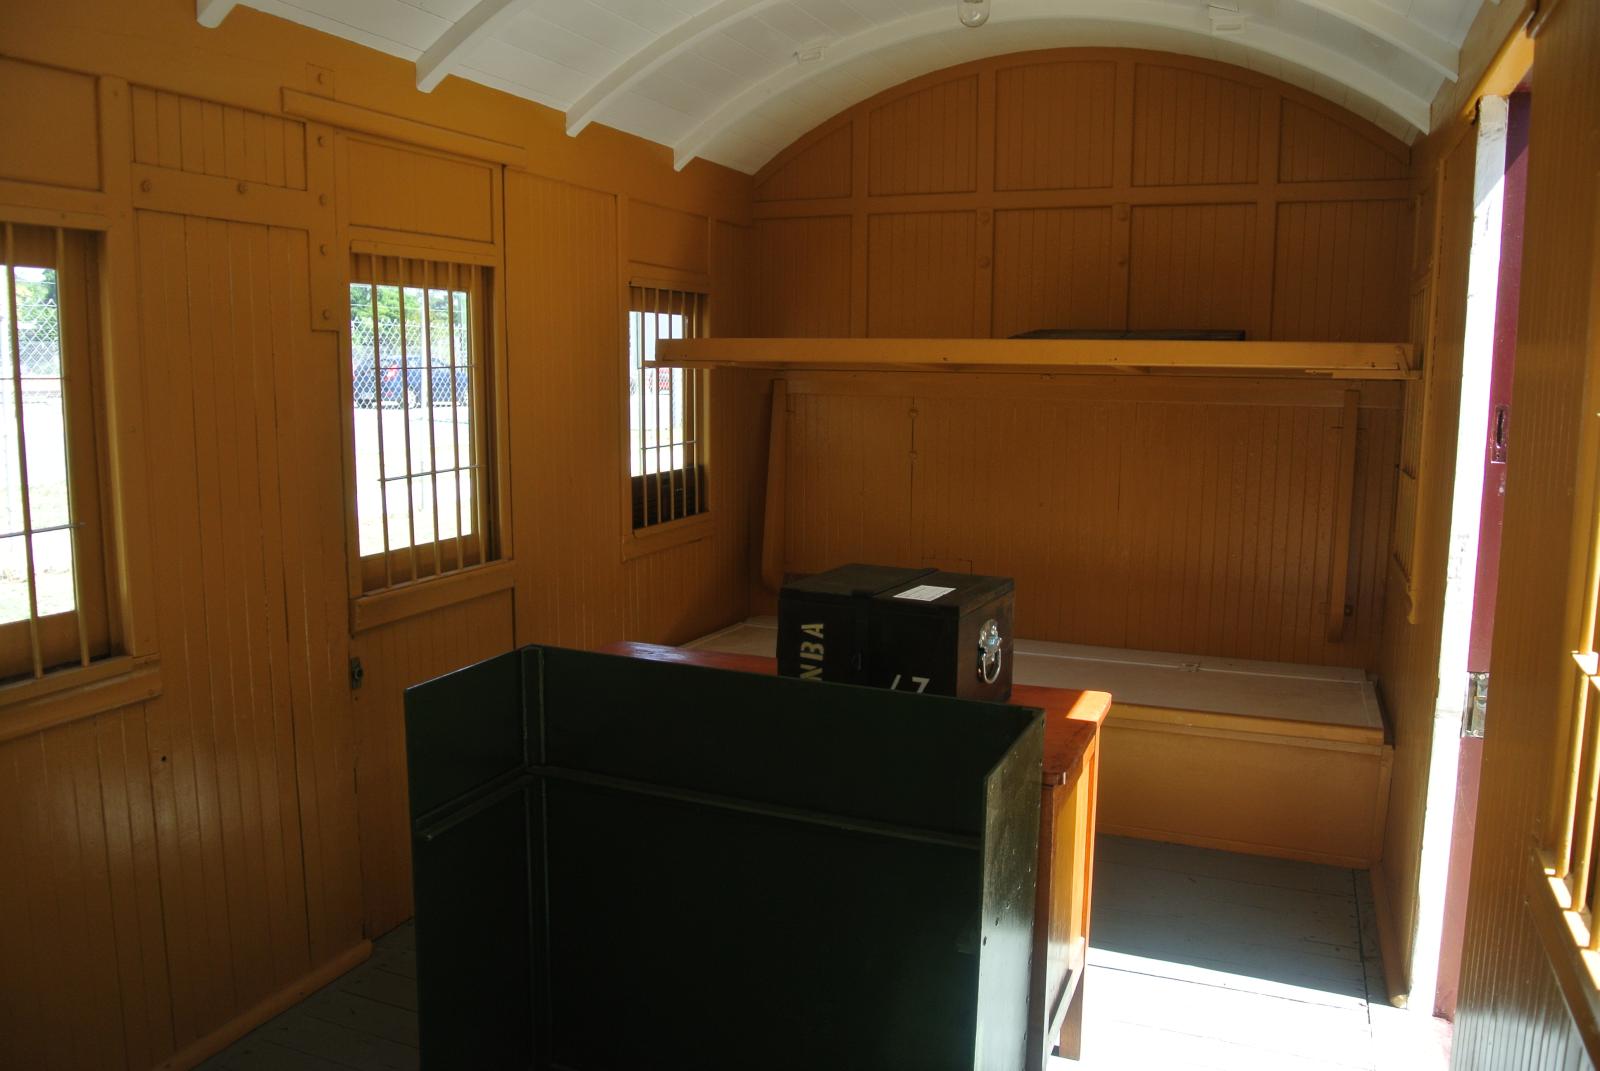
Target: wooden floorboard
1201,960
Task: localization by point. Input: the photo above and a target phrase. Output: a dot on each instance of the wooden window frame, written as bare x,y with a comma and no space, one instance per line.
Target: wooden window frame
385,584
663,535
130,670
90,631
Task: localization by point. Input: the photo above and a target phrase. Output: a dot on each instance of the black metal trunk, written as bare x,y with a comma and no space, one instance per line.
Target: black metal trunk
823,631
911,630
944,634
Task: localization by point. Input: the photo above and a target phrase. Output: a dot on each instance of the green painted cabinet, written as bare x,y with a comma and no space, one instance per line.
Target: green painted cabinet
631,864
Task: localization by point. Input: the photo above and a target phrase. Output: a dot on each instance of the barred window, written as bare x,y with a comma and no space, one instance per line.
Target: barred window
53,584
667,409
1571,839
1569,847
420,416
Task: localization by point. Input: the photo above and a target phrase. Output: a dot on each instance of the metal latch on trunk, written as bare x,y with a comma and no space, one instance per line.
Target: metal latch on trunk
1477,705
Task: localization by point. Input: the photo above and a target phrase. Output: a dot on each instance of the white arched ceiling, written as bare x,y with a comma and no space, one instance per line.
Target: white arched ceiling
735,81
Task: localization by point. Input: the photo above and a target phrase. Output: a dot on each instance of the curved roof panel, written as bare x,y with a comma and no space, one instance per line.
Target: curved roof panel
735,81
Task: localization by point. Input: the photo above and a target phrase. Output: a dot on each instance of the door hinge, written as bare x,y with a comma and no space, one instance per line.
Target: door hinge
1476,708
357,674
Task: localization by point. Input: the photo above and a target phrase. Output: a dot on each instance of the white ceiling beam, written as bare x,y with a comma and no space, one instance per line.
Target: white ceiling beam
659,52
446,55
1387,24
210,13
1048,15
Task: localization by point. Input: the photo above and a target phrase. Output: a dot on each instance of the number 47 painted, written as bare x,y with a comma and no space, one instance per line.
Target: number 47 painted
921,683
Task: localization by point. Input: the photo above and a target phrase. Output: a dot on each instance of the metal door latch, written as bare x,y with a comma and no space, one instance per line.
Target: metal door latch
357,674
1476,709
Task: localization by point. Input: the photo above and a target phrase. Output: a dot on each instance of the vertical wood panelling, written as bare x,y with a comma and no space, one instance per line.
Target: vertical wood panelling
920,275
1193,128
395,657
1192,266
1510,1015
1312,147
572,587
1341,271
253,741
1156,526
189,857
1066,573
822,170
805,277
1053,268
206,138
849,481
926,141
1053,126
568,583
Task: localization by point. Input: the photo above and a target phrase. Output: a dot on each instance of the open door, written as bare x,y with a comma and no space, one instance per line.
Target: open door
1496,454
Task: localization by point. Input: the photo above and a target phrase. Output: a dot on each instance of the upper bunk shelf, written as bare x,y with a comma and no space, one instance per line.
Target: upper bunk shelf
1340,360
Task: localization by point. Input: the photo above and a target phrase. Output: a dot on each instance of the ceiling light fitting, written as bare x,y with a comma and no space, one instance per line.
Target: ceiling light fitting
972,13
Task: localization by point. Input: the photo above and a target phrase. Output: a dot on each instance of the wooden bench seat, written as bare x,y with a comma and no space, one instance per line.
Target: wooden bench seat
1263,757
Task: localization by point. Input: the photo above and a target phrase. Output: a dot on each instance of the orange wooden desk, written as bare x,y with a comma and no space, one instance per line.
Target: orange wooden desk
1071,776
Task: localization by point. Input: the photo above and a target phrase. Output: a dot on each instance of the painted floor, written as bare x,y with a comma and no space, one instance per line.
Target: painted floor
1203,959
1199,960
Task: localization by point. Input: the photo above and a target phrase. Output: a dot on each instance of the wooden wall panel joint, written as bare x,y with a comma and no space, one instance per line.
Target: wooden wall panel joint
1344,502
123,371
861,141
984,242
354,117
1267,217
320,80
330,299
213,197
1092,197
55,206
773,511
1122,129
1121,265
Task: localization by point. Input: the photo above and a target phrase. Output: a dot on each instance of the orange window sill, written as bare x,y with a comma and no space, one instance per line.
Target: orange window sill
68,695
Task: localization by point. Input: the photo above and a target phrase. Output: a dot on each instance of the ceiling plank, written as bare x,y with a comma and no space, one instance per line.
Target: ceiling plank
210,13
1387,24
445,56
659,52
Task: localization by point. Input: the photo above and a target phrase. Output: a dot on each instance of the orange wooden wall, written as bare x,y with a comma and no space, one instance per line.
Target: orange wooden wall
177,868
1087,188
1511,1014
1102,189
1176,514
